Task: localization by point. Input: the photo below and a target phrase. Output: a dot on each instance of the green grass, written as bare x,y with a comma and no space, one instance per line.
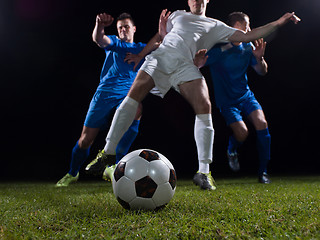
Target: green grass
289,208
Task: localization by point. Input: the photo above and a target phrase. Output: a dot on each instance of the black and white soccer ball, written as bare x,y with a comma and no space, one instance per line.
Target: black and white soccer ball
144,179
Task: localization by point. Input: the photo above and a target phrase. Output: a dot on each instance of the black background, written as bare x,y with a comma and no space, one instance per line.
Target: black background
50,69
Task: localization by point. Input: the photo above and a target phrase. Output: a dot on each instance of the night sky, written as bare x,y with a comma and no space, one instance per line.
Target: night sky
50,69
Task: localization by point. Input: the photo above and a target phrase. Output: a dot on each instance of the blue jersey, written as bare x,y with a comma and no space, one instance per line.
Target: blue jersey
228,66
117,76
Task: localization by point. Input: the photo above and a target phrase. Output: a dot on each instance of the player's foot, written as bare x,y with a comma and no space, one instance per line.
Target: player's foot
108,172
204,181
264,178
233,161
97,165
66,180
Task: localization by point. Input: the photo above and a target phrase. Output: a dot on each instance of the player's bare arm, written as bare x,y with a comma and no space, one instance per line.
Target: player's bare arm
258,52
261,32
98,35
154,43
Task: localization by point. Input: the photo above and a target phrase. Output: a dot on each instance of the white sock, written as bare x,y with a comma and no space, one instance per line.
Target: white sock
204,135
204,167
122,120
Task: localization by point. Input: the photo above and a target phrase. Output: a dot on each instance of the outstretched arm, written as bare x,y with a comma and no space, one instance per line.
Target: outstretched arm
261,32
153,43
98,35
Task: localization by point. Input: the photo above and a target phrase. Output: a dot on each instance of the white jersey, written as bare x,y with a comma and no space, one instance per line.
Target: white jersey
189,33
172,63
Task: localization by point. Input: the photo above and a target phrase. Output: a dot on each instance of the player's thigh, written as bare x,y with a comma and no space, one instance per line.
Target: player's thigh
197,94
141,86
258,119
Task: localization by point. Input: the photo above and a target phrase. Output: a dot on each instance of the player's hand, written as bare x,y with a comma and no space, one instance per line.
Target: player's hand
133,58
288,17
260,47
164,16
104,20
200,58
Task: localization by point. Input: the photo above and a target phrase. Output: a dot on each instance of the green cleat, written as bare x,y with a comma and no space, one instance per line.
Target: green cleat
98,165
66,180
108,172
204,181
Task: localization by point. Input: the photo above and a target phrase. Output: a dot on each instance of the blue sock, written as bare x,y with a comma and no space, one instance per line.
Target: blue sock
233,144
263,145
79,156
127,139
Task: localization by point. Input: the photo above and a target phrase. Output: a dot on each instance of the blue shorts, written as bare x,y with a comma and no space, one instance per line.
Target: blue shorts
102,104
233,113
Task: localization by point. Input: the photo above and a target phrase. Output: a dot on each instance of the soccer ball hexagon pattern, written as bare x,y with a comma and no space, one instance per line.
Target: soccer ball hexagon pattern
144,179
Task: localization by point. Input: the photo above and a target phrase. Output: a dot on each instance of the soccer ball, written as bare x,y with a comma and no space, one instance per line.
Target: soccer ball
144,179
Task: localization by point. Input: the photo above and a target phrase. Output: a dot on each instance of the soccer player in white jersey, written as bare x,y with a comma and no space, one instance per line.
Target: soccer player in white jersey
171,65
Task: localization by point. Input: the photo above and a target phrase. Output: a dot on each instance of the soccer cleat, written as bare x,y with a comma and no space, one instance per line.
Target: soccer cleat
264,178
66,180
98,165
204,181
107,174
233,161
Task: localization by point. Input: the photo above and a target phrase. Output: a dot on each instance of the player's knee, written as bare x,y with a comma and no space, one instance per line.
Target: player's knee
204,106
241,135
261,124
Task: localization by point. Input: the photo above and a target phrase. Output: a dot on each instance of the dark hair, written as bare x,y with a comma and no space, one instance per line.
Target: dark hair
236,17
123,16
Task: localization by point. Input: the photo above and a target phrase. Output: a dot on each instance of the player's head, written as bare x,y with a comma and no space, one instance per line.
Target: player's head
126,27
239,20
198,7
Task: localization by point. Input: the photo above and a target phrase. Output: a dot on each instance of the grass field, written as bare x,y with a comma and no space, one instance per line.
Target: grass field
289,208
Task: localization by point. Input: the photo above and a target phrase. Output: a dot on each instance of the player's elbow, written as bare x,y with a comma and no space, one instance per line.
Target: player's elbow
239,36
99,43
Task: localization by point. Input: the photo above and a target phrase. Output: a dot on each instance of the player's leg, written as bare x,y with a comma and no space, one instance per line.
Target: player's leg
196,93
258,119
81,150
105,164
129,136
127,110
240,133
122,120
80,153
233,118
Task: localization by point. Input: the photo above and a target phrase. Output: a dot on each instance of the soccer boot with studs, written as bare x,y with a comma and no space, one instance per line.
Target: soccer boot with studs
108,172
233,161
66,180
204,181
98,165
264,178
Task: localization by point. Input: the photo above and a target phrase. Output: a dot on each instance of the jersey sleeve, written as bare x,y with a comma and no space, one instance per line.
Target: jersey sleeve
113,41
224,31
171,18
169,22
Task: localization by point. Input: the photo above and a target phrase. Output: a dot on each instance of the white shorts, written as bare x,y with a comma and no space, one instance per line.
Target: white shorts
169,69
